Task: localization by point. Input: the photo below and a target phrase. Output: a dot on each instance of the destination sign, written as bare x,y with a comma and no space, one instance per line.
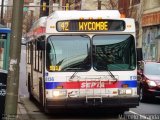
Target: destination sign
90,25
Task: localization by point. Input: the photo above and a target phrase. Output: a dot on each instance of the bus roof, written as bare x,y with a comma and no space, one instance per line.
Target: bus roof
41,22
75,14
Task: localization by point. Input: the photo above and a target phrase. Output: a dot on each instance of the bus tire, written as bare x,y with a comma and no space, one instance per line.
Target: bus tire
31,97
46,110
41,92
29,88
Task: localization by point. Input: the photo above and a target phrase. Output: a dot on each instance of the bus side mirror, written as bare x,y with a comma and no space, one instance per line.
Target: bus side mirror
40,45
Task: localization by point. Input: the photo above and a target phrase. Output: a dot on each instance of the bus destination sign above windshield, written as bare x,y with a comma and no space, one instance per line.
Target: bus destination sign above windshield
90,25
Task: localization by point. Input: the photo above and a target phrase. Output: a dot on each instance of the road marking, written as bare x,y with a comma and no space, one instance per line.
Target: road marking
142,116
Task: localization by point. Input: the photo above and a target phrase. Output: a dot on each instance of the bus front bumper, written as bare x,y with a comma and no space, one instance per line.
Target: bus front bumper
124,102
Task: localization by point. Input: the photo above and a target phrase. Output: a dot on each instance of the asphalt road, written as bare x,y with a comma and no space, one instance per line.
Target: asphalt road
145,111
149,110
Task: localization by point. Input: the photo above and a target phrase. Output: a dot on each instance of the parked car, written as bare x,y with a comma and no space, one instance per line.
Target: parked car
149,80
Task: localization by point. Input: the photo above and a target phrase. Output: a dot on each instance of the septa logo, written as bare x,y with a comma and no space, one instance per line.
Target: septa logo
92,85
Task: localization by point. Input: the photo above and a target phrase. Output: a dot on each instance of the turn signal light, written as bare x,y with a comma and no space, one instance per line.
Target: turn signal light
124,85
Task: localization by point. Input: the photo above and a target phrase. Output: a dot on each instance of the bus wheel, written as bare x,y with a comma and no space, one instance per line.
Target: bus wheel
41,91
46,110
29,88
31,97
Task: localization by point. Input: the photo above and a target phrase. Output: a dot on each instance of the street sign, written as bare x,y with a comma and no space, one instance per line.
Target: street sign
25,9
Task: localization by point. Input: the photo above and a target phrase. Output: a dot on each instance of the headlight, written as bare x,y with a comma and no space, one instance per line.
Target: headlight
58,93
125,91
151,83
128,91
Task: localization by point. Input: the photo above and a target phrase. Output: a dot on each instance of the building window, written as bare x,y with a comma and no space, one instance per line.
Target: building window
135,2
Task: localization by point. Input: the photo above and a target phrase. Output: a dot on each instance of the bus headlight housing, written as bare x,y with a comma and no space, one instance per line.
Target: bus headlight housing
125,91
59,93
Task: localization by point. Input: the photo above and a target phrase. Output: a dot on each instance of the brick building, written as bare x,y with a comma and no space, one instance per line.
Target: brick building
133,9
90,4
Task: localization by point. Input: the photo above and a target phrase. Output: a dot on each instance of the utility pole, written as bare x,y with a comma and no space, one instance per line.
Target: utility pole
13,73
2,5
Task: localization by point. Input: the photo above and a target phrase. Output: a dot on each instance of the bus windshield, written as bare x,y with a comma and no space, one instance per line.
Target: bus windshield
68,53
73,53
114,52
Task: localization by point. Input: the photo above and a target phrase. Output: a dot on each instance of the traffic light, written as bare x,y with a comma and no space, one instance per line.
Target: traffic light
67,6
44,11
44,5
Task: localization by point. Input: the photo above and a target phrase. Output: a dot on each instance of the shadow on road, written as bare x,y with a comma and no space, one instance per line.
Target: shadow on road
90,113
152,101
77,114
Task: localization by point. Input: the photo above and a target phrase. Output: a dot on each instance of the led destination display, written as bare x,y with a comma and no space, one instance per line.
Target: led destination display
90,25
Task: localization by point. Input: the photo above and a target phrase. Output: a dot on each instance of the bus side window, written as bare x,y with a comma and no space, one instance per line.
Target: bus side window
48,61
40,45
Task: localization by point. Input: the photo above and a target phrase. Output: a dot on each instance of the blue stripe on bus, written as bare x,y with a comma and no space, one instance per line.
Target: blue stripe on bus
51,85
130,83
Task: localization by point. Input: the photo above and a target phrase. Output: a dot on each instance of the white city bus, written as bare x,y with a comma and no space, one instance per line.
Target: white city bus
83,59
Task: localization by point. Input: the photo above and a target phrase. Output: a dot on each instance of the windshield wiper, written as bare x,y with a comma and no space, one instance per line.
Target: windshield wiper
73,75
106,68
110,73
113,76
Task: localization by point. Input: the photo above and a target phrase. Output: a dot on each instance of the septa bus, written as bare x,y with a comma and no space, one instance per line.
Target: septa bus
83,59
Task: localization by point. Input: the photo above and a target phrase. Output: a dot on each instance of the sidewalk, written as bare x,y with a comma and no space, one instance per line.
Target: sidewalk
22,112
27,110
